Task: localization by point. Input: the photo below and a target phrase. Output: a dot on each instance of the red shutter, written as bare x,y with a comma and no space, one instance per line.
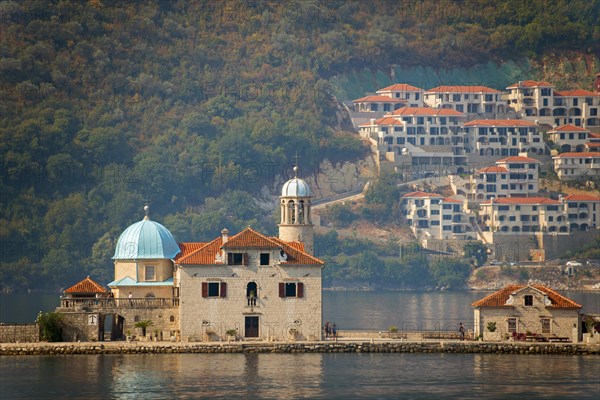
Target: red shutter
245,259
223,289
204,289
281,289
300,289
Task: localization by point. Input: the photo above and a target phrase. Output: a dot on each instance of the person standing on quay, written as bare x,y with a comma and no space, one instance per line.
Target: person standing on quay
461,330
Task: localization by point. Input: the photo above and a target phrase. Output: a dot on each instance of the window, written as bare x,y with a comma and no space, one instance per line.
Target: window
512,325
528,300
447,228
149,273
545,325
435,212
214,289
264,258
435,223
237,259
291,289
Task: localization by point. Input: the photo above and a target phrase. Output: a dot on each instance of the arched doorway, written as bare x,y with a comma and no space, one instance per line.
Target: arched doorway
251,293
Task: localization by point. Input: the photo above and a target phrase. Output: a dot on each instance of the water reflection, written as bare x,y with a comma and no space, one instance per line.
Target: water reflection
279,376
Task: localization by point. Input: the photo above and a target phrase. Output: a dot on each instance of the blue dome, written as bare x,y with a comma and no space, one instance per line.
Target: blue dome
295,187
146,240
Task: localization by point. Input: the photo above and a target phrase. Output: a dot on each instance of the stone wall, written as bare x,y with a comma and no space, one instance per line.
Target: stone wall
314,347
90,325
23,333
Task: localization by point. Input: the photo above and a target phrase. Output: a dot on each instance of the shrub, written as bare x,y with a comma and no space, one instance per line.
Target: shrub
50,326
491,326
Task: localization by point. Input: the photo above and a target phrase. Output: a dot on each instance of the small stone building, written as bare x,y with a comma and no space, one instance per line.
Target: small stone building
532,310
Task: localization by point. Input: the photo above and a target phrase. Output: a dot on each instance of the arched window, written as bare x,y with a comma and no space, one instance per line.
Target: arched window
251,293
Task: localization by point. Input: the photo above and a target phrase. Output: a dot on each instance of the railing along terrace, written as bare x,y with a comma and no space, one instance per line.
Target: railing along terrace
120,303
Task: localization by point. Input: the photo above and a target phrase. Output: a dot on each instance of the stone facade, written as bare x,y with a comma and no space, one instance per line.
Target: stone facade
527,310
264,298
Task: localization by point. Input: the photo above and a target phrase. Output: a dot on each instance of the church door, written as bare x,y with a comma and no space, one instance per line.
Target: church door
251,326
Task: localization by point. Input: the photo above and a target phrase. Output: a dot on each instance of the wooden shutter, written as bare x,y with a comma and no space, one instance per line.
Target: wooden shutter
223,289
204,289
281,289
300,289
229,258
245,259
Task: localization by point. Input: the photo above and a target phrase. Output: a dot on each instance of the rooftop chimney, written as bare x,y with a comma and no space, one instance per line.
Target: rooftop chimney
225,234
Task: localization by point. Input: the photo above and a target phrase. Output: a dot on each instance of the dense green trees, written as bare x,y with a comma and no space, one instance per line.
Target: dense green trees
104,104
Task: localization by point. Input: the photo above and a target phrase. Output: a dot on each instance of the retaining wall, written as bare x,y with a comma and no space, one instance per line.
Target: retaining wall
309,347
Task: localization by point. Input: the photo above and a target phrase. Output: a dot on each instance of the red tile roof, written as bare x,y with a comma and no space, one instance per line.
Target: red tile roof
593,135
206,254
569,128
499,122
378,99
421,194
590,144
249,239
523,200
575,93
400,87
427,111
493,169
591,154
384,121
451,200
517,159
188,248
530,83
462,89
87,286
499,298
581,197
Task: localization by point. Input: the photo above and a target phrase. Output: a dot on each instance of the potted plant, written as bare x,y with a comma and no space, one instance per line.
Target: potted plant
231,334
128,337
491,328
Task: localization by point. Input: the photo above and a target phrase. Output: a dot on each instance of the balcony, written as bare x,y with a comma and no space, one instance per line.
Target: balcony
141,303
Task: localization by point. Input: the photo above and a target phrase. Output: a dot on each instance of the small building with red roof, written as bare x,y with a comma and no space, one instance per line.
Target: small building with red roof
412,95
569,138
539,101
467,99
527,312
574,165
377,103
503,137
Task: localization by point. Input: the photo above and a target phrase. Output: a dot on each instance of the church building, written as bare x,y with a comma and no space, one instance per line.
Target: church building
243,286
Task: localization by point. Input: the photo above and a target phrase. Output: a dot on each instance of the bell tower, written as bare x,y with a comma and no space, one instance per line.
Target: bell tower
296,223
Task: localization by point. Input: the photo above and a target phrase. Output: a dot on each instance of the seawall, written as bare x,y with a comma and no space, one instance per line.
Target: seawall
58,349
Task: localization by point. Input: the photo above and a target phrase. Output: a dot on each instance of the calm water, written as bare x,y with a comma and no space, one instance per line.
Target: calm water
350,310
338,376
279,376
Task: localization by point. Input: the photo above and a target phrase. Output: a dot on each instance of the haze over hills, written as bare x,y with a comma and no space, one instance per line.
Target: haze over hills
198,107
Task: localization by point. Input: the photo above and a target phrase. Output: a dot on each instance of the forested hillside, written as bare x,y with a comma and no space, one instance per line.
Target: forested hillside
197,106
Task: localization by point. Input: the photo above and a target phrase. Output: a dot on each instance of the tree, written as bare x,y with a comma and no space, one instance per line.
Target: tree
50,326
143,325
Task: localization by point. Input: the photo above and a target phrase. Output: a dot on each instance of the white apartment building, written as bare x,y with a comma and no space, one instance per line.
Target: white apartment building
583,211
419,136
577,165
412,95
523,214
502,137
515,176
569,138
432,216
467,99
580,212
538,101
